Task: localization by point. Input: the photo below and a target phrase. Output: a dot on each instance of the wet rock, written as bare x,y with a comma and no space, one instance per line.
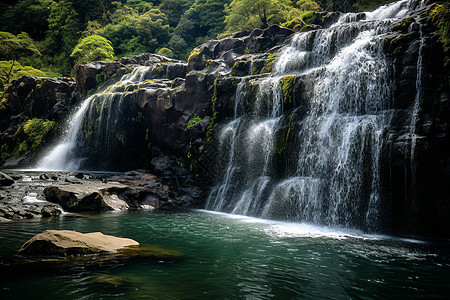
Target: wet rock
49,211
87,197
5,180
69,243
43,177
4,220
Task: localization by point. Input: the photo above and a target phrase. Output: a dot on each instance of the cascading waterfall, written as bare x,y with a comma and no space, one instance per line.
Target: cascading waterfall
343,85
65,155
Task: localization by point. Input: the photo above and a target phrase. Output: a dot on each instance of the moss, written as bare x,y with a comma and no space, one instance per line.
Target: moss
194,121
3,103
28,137
404,25
287,88
441,17
194,54
269,63
240,68
100,77
282,140
158,70
121,136
131,88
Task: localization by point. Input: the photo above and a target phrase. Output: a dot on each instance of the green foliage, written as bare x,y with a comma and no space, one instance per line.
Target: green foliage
136,26
165,52
194,121
35,130
441,16
93,48
248,14
202,21
10,71
12,47
132,31
62,35
28,137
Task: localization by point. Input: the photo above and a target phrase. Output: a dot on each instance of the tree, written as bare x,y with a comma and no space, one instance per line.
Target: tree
165,52
132,32
62,35
93,48
203,20
12,47
248,14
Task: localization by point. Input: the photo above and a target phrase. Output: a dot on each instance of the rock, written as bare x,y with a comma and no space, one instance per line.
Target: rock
43,177
87,197
49,211
70,243
5,180
4,220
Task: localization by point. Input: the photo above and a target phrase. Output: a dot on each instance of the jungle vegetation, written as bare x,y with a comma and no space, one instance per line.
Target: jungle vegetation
48,37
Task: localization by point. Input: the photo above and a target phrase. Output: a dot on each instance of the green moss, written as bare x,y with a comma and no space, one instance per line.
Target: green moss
287,88
239,68
28,137
158,70
3,103
131,88
282,140
403,26
100,77
269,63
194,121
194,54
299,24
120,136
441,17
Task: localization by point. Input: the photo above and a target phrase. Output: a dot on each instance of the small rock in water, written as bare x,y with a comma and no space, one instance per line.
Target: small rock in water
43,177
49,211
5,180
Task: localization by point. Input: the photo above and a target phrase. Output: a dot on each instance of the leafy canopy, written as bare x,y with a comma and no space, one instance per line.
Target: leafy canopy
93,48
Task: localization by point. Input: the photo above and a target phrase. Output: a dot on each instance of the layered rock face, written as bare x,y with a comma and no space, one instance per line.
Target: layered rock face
33,98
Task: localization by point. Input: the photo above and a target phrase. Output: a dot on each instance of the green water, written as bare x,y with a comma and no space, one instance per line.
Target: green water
228,257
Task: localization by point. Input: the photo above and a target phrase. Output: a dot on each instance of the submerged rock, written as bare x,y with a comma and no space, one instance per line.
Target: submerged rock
69,243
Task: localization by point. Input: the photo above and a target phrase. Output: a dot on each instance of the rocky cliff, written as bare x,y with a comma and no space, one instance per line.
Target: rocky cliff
169,121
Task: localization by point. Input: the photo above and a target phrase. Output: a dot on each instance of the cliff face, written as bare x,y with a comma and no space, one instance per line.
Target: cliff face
172,117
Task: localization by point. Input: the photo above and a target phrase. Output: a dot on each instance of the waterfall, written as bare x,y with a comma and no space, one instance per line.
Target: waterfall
330,175
66,155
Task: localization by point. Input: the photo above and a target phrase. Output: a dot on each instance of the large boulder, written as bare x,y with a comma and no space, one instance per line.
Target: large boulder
133,190
87,197
70,243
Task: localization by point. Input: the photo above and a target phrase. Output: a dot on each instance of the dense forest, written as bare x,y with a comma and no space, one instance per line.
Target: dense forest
48,37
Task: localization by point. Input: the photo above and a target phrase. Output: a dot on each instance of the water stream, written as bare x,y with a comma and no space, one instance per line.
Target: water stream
344,84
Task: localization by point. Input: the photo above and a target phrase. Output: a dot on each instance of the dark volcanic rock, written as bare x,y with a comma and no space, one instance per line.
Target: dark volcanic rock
86,197
133,190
